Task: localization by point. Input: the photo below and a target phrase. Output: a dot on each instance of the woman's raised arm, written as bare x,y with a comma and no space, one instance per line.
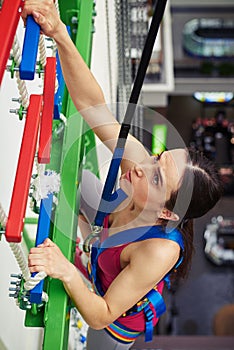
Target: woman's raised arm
82,85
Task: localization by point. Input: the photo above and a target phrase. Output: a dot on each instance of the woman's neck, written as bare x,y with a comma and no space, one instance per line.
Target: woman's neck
129,217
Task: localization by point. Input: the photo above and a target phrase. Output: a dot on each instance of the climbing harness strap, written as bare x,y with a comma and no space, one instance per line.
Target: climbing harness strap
126,335
121,333
153,299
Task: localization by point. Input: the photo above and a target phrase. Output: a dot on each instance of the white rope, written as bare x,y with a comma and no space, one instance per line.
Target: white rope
3,217
42,56
16,53
42,51
21,259
31,282
17,250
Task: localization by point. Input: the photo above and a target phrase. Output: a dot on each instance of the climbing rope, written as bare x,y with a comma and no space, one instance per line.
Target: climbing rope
18,252
16,53
16,249
42,51
3,217
33,281
30,282
21,259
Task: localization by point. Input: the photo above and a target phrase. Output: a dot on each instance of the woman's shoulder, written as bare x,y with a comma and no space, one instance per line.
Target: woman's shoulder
158,247
152,259
153,249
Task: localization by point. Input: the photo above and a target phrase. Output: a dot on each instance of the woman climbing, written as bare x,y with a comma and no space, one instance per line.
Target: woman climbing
143,246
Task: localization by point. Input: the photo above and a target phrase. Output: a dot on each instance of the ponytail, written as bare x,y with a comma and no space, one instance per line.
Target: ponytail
187,230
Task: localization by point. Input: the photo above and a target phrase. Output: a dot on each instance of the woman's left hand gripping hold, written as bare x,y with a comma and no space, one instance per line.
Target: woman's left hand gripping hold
48,257
45,14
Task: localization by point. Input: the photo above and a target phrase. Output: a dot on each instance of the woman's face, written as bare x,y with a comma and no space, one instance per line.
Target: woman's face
151,182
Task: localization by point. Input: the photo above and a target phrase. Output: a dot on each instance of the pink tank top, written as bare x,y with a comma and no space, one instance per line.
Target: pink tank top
108,269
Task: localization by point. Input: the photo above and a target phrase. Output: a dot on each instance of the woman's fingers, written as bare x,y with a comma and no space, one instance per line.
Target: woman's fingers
49,243
42,260
44,13
49,258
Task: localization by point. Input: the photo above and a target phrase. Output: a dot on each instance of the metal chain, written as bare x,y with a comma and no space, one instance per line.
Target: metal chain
109,50
130,35
118,14
127,49
124,55
140,39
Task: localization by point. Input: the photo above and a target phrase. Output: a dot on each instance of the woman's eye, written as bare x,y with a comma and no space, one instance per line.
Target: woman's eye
155,179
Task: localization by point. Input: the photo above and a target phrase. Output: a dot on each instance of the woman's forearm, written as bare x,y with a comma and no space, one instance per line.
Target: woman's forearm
92,307
83,87
48,257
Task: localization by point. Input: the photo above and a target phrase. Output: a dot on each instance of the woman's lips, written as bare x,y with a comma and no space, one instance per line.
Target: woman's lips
128,175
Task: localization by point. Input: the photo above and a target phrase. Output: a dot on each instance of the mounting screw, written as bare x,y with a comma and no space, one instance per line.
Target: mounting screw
20,111
16,99
74,20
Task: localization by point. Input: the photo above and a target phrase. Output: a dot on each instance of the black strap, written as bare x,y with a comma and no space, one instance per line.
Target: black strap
125,127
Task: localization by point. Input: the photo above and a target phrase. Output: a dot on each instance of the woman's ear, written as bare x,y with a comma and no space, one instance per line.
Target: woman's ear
168,215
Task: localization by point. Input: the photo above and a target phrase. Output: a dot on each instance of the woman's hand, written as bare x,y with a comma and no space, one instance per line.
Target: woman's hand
49,258
45,14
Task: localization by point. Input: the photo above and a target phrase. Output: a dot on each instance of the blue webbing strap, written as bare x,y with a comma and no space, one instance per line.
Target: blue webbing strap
142,233
110,201
157,301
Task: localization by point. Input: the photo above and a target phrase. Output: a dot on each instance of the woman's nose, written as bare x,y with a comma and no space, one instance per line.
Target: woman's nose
139,170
